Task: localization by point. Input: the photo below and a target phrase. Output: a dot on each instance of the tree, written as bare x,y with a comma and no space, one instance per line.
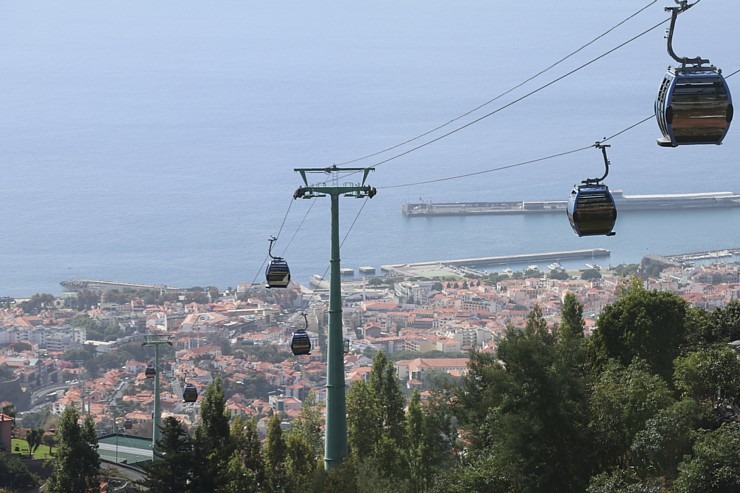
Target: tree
301,463
720,326
37,303
622,401
536,429
418,452
590,274
15,475
76,464
33,437
246,469
384,384
659,447
713,467
649,325
708,374
571,320
213,444
309,423
171,471
364,419
275,455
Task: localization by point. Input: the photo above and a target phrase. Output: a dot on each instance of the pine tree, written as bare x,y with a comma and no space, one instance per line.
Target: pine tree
76,463
384,384
571,321
213,444
275,455
170,472
309,423
246,463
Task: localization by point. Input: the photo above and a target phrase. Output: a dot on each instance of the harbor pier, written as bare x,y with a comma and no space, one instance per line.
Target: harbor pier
439,268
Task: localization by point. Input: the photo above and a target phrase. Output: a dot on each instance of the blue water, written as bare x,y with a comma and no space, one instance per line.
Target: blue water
155,142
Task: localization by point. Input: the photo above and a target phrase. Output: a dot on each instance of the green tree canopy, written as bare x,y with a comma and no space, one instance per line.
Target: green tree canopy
714,465
649,325
76,463
171,471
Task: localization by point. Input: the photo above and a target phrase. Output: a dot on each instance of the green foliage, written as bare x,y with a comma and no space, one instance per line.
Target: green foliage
309,423
6,373
590,274
559,274
526,412
37,303
714,465
623,400
666,438
33,437
384,385
477,474
171,471
625,270
571,321
213,444
14,474
622,481
76,461
649,325
248,449
276,454
720,326
708,374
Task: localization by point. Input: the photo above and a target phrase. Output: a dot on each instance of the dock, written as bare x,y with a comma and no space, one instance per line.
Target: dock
439,268
706,255
367,270
669,202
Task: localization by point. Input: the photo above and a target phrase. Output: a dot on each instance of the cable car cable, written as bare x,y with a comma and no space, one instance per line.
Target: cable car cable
515,101
531,161
517,86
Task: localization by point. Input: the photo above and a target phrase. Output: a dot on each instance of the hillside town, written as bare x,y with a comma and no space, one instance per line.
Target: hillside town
242,336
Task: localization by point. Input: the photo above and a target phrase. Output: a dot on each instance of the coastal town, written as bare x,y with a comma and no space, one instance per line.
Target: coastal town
242,336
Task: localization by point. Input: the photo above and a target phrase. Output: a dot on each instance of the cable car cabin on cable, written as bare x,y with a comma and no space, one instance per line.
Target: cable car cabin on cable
300,343
150,371
591,210
190,393
128,424
694,106
277,273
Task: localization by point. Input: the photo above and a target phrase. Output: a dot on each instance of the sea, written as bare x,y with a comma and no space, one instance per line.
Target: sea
157,142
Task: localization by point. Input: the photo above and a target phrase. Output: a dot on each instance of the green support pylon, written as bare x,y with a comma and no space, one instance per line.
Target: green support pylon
335,438
156,340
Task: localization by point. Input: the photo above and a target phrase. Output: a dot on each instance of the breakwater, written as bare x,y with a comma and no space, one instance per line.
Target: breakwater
623,202
502,260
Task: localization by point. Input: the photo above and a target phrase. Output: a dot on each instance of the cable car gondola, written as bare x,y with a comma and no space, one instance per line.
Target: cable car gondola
277,272
190,393
150,371
128,424
300,343
694,105
591,207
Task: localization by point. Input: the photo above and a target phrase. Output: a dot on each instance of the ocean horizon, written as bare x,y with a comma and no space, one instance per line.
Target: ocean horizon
156,142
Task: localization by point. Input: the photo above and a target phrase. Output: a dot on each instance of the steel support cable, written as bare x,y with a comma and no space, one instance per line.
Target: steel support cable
517,86
500,168
531,161
285,217
515,101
